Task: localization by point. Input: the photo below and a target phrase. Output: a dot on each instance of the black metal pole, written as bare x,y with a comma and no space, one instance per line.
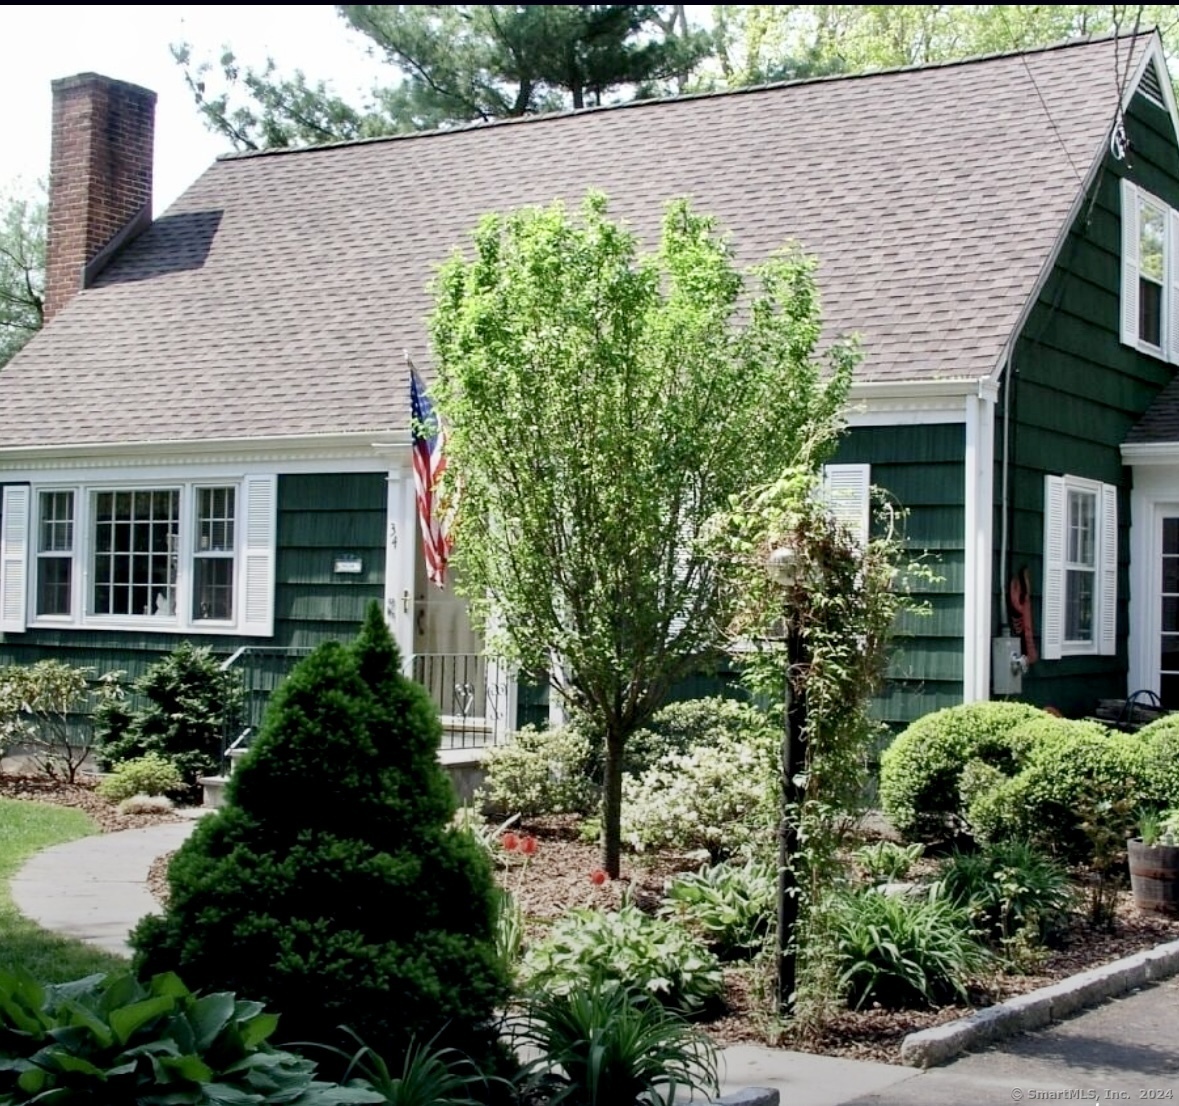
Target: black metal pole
791,797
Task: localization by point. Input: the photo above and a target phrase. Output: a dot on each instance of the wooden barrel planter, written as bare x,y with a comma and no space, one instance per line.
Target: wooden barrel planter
1154,877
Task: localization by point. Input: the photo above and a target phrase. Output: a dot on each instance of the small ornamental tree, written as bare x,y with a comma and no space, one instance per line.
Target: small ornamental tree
331,886
601,404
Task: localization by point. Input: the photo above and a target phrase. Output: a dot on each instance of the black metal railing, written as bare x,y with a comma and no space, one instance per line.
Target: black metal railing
469,694
471,705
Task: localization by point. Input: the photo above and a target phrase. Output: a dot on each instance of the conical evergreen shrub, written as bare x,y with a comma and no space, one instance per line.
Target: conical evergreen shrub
331,886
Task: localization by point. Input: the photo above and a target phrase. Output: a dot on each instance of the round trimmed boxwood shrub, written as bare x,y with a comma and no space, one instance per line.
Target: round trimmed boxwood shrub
920,771
1072,766
1161,739
332,886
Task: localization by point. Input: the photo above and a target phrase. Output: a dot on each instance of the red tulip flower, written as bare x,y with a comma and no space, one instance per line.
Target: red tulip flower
528,846
510,842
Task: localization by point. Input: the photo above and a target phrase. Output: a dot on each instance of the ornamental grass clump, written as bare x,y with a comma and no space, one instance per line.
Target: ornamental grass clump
333,885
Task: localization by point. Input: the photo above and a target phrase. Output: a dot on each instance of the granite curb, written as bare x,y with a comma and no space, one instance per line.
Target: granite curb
1037,1009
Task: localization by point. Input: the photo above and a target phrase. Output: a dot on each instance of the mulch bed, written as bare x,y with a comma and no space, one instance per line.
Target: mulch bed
557,878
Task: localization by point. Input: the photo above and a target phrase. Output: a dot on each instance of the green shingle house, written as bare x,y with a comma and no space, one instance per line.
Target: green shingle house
209,440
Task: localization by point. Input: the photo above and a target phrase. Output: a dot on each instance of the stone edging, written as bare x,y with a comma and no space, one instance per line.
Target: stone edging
1039,1008
748,1096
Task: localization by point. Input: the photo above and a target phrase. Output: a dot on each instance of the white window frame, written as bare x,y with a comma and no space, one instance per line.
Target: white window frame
1133,200
253,557
37,554
1057,567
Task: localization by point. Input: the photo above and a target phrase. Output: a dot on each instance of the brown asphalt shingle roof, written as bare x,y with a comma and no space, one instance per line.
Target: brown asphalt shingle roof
276,296
1161,421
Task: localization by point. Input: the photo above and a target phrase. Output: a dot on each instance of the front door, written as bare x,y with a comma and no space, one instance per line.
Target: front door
1168,645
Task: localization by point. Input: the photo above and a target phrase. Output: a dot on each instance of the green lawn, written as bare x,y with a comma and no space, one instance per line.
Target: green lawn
26,828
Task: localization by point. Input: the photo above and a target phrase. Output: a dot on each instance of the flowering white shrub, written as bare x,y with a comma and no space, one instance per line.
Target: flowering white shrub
716,798
539,772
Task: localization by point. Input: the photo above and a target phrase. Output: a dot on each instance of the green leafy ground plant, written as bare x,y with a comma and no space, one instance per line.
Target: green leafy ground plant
731,906
612,1047
112,1040
588,949
150,774
904,950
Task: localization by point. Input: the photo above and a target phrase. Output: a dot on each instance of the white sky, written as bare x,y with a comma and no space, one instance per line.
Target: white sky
39,44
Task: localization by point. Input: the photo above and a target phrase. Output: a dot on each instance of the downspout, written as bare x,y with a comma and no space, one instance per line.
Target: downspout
971,583
1005,375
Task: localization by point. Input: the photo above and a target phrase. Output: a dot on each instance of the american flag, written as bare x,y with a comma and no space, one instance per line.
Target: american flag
429,463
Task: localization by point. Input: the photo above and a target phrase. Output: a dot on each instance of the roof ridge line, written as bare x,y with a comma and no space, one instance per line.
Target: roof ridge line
654,102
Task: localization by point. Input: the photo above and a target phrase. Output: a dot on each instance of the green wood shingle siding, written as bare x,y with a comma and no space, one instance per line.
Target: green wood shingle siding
922,467
319,517
1077,392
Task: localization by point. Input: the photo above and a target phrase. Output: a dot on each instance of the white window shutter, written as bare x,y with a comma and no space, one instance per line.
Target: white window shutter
1129,263
847,492
1052,635
1171,298
1108,595
259,514
14,558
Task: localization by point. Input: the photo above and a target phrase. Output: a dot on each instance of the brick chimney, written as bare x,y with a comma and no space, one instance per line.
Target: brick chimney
100,175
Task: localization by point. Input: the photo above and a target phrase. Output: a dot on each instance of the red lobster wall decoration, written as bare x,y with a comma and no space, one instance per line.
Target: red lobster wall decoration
1019,609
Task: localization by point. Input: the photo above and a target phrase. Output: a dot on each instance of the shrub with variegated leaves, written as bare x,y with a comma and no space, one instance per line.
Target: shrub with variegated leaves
715,799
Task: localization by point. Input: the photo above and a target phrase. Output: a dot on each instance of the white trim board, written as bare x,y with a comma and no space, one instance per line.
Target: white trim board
1155,494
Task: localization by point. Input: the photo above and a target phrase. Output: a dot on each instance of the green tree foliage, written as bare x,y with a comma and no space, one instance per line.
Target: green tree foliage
332,885
601,406
180,710
22,272
456,64
760,42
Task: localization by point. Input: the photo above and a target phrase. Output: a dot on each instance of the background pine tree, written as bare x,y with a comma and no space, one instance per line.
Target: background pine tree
331,885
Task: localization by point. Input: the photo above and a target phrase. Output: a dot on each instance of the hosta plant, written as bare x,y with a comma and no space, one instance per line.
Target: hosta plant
112,1040
612,1047
730,905
589,949
886,861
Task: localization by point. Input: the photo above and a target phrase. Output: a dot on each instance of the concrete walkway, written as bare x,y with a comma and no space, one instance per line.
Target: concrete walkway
94,889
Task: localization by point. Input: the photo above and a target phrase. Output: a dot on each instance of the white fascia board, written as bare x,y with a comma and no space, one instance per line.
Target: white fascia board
1150,453
914,402
146,461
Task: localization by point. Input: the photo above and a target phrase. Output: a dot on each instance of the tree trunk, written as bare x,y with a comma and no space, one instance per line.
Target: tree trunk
612,805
